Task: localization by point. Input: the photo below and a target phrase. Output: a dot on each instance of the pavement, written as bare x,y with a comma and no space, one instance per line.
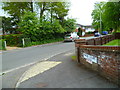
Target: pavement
61,71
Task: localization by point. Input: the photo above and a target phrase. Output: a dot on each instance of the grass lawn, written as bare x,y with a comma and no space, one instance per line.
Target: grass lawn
113,43
74,58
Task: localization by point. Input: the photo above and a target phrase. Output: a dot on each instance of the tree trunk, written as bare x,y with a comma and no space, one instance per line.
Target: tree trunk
51,14
31,5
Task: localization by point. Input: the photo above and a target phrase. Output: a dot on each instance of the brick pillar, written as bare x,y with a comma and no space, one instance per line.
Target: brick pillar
77,45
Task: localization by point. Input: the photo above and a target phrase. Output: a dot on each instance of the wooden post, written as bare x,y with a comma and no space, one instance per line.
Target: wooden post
77,45
101,40
78,54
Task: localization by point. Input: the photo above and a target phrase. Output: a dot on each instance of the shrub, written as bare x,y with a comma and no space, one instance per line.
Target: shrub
89,32
39,31
47,41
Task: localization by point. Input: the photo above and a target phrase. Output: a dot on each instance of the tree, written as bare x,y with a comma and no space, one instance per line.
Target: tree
43,6
57,10
60,10
97,15
28,25
111,15
17,9
69,25
31,27
79,32
7,25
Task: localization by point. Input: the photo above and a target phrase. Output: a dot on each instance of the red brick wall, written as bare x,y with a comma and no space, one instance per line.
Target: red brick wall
107,61
103,59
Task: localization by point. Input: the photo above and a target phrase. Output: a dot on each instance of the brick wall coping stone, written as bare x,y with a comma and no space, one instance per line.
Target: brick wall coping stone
77,40
99,47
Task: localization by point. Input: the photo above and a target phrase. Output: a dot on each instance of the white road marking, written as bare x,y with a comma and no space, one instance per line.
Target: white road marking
39,68
18,67
20,79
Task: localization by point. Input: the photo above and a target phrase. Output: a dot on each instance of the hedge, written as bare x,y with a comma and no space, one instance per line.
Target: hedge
14,39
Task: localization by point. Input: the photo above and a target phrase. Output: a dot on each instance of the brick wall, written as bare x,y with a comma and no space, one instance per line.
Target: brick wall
103,59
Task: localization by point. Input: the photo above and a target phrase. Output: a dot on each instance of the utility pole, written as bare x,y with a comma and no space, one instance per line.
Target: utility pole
32,2
100,22
51,12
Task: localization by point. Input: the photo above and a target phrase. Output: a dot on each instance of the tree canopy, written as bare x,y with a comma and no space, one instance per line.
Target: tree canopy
46,20
97,15
17,9
110,15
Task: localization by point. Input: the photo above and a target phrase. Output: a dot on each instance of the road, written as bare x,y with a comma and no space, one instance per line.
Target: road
14,59
16,62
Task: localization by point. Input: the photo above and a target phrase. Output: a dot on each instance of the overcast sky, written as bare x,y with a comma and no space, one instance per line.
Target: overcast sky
80,10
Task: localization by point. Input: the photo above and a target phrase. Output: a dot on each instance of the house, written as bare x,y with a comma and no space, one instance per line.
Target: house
87,28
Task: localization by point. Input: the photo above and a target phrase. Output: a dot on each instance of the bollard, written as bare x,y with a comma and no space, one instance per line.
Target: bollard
5,44
23,41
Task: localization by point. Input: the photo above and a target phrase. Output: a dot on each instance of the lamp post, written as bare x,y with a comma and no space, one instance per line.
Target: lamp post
100,23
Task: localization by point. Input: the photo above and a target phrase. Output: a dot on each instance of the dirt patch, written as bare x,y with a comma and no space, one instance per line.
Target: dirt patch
11,48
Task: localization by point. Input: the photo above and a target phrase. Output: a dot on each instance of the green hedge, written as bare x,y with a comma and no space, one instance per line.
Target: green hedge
14,39
47,41
28,41
2,45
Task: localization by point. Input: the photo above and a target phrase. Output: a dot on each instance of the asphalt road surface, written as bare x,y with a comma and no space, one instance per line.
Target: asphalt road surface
14,59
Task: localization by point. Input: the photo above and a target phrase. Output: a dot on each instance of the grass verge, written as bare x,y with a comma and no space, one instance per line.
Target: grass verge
115,42
74,58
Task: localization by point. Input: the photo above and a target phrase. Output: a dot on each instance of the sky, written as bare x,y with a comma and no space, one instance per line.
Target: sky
80,10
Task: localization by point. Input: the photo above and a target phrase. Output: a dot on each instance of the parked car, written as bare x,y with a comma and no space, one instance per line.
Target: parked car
104,32
71,37
97,34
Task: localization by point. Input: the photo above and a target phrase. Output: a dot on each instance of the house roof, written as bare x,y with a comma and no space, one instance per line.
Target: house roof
84,25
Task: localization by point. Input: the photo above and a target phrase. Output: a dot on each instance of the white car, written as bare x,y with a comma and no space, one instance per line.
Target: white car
71,37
